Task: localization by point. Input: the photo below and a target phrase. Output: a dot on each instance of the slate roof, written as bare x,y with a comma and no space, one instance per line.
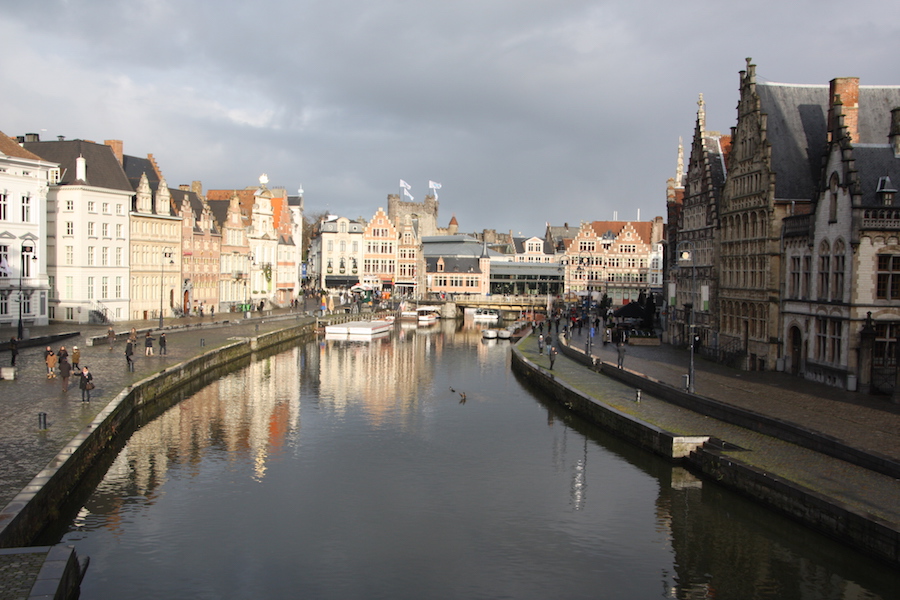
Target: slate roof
134,167
452,264
103,168
455,245
797,130
519,245
874,162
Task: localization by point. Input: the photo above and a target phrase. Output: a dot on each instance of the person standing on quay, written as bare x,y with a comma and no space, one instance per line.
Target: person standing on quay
86,384
148,344
76,358
13,351
162,345
129,351
65,371
50,358
620,350
62,353
110,337
553,354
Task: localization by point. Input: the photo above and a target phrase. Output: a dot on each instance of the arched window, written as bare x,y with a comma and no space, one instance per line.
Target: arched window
838,266
824,269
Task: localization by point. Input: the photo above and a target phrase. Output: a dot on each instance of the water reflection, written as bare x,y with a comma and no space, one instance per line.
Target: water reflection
352,469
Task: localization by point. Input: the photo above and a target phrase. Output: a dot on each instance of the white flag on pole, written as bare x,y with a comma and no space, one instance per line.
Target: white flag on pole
434,185
405,185
408,195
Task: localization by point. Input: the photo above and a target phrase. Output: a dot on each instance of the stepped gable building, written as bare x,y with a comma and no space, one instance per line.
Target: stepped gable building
287,229
25,180
380,250
156,239
777,148
234,253
693,236
202,241
617,259
88,237
841,316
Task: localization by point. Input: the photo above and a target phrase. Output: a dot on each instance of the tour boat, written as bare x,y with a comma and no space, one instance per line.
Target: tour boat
359,328
428,314
487,315
489,334
504,334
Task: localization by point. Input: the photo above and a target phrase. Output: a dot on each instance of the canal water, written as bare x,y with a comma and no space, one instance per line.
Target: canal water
418,466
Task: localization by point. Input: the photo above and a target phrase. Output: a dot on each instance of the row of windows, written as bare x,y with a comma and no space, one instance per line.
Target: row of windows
25,205
456,281
69,228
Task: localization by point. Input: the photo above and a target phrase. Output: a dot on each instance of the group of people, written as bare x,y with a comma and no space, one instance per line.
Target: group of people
132,342
58,364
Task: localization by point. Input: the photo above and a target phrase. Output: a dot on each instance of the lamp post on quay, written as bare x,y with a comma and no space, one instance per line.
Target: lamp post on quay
690,255
166,253
27,248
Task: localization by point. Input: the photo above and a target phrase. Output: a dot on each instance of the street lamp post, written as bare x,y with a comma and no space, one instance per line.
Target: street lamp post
27,248
166,253
689,306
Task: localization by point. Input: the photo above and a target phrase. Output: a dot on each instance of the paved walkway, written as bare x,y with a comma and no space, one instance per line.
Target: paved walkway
871,423
25,449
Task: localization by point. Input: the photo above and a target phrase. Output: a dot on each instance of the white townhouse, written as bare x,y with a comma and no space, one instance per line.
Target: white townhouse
24,183
87,232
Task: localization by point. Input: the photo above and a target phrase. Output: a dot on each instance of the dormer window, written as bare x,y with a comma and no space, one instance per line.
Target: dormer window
885,191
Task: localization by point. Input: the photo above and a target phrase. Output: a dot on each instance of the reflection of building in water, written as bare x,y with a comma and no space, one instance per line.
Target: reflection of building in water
382,377
252,413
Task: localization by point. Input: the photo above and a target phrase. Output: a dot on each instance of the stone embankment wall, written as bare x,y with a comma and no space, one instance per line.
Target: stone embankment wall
645,435
864,531
30,511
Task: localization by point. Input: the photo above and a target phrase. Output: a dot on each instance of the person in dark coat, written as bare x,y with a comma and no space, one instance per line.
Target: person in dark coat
13,350
162,345
62,353
129,352
86,384
553,354
148,344
65,371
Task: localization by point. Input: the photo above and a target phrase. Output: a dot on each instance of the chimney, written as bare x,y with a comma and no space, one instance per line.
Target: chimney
118,149
197,188
844,91
894,135
32,137
81,169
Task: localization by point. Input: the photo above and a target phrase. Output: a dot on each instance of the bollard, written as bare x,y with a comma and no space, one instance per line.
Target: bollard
42,420
637,395
202,342
687,381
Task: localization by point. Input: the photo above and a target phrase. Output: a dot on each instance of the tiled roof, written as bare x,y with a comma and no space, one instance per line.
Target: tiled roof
103,169
11,147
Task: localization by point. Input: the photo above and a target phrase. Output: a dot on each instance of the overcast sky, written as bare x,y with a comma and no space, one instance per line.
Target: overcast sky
524,111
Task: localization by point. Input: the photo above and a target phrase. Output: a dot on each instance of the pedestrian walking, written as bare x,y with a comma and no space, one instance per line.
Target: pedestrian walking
65,371
620,350
148,344
50,359
111,337
129,352
540,344
163,350
86,384
76,359
13,351
62,353
553,354
133,335
549,341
